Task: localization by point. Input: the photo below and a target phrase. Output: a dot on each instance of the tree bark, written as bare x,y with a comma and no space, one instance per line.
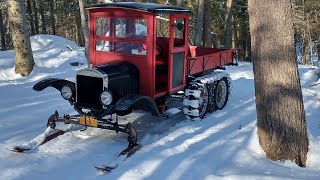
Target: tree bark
20,36
179,2
281,119
35,11
199,24
3,42
43,18
207,25
79,33
85,30
52,21
30,16
228,24
235,39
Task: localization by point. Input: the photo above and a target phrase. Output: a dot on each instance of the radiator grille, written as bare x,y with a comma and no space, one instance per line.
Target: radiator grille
88,91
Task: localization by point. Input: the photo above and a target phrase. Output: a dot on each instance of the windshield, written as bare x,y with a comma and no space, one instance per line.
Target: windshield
121,35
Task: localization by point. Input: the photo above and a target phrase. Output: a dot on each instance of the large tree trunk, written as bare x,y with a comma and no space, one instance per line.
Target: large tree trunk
199,23
207,25
281,118
20,36
84,29
228,24
3,42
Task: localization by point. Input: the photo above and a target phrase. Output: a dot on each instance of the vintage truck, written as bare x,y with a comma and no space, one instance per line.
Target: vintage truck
140,58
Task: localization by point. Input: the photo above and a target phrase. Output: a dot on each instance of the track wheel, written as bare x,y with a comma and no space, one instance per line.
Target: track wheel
196,101
221,93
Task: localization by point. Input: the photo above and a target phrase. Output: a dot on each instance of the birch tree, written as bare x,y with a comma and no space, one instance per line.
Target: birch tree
20,37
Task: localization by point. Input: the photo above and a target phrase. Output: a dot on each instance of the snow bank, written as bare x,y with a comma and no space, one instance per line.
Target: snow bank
51,55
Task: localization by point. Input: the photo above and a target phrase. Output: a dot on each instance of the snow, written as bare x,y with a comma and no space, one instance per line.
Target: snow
224,145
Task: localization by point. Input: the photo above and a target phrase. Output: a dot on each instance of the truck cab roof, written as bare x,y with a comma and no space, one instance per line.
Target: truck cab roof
149,7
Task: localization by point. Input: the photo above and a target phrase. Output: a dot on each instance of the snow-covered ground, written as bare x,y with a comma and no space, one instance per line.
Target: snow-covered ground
224,145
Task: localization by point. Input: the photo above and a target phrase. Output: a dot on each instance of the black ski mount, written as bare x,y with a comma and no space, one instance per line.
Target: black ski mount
102,124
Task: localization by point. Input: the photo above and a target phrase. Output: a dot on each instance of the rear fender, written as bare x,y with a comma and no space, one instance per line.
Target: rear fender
55,83
132,102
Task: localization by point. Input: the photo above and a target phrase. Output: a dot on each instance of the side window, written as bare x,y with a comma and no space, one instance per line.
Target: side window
103,45
179,30
131,28
103,26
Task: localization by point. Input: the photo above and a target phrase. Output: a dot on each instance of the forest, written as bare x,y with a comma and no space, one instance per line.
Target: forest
228,27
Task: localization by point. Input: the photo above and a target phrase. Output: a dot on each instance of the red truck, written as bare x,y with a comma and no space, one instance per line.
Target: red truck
139,59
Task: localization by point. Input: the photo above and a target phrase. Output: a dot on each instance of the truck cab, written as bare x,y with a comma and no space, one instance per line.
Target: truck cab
131,32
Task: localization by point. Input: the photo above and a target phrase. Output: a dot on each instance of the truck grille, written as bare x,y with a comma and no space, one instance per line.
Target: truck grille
88,91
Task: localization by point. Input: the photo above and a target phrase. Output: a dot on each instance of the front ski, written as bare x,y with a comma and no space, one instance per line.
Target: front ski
43,138
124,155
50,133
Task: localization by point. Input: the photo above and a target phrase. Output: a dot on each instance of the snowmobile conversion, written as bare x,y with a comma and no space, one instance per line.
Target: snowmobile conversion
140,57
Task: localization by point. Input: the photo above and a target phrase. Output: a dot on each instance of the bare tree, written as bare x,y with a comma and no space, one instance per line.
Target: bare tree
3,42
84,29
43,17
207,25
35,11
20,36
199,23
30,16
52,21
280,112
228,24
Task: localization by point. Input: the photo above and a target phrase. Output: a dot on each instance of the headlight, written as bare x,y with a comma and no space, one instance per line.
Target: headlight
106,98
66,92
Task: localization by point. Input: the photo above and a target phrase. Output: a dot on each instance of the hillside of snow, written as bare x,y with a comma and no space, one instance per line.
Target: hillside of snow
224,145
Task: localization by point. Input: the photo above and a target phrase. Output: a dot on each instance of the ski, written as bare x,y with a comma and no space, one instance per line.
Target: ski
43,138
124,155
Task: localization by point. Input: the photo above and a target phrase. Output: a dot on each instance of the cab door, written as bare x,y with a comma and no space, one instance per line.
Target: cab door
178,52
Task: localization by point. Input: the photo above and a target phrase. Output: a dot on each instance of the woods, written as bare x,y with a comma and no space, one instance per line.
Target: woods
274,35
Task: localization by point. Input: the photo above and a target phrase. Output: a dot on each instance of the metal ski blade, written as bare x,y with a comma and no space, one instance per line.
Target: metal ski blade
43,138
19,149
52,136
129,151
105,168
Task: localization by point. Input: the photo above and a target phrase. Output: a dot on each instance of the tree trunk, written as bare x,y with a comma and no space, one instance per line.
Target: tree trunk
281,122
228,24
52,22
43,18
179,2
235,39
3,42
20,36
36,22
30,16
207,25
78,25
199,24
85,30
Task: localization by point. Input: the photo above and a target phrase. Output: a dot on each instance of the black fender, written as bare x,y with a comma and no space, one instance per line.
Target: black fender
55,83
129,103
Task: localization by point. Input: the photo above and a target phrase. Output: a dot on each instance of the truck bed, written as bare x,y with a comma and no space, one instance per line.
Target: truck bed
204,58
